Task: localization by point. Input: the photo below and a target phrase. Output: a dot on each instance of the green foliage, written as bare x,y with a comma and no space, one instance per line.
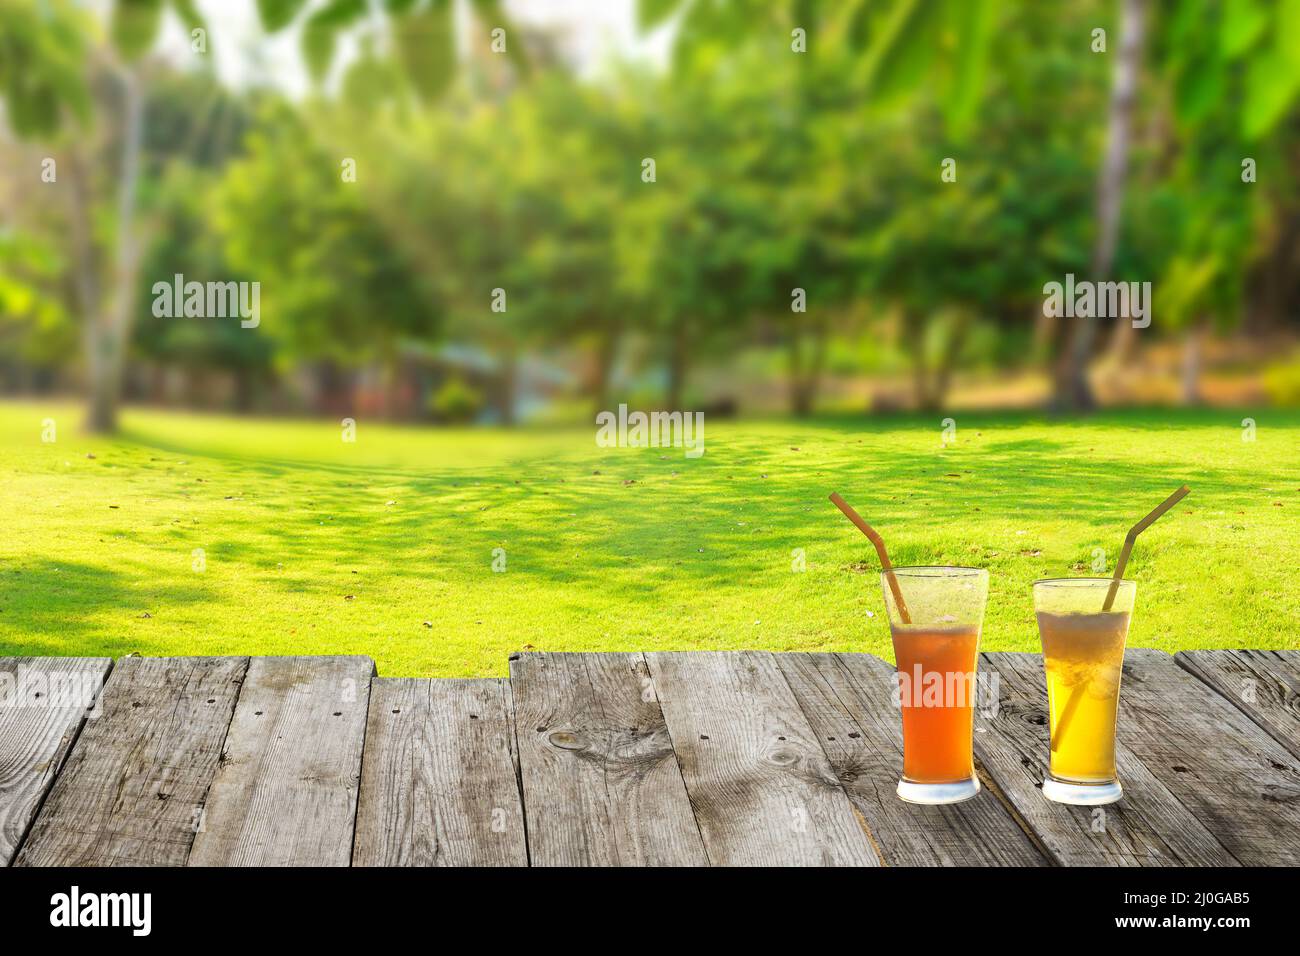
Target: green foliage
334,282
974,21
185,200
34,325
421,32
775,171
652,13
455,401
903,48
278,14
426,45
492,14
192,119
1207,49
320,33
1202,251
1282,382
42,56
195,128
188,12
135,24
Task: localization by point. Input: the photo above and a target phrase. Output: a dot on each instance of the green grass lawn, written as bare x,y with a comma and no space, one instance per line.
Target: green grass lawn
385,546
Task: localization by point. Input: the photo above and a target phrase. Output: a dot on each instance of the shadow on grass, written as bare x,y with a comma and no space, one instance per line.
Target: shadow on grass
48,606
630,525
716,519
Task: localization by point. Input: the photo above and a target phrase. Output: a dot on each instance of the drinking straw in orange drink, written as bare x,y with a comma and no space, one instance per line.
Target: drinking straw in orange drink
935,614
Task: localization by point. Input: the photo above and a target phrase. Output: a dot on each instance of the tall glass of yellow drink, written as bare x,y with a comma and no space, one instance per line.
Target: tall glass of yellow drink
1083,655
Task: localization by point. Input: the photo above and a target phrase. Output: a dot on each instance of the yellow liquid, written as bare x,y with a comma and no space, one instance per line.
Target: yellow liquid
1083,655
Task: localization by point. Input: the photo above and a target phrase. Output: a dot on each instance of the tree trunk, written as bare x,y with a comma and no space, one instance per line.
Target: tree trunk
948,361
914,343
109,331
86,278
603,373
806,373
243,389
1271,280
1192,360
795,372
1072,389
1123,342
677,365
509,390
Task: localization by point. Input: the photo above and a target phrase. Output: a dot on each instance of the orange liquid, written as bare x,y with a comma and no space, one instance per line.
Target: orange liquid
936,668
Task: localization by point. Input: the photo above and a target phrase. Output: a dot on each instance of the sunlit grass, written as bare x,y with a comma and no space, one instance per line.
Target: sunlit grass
385,546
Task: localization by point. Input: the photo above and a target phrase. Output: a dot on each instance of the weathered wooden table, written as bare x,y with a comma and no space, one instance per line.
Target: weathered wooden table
659,758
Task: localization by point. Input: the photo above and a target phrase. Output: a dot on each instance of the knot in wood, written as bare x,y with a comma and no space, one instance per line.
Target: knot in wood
783,757
565,740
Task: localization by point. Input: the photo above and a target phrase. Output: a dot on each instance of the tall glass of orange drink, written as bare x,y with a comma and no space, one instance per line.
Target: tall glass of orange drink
936,633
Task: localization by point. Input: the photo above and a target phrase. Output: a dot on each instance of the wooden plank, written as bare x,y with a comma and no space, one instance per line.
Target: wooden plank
438,785
133,787
848,701
286,791
1239,781
1264,685
763,789
1150,826
601,786
43,703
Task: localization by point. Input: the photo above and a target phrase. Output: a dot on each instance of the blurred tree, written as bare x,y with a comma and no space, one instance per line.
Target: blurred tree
956,52
41,69
420,33
583,138
35,328
185,201
335,286
1072,389
1221,125
49,72
694,226
853,200
796,145
1201,45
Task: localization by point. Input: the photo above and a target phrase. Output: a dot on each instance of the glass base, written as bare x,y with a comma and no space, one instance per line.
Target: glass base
937,793
1082,794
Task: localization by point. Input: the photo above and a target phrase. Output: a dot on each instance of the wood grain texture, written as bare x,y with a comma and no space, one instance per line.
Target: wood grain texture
1150,826
763,790
1238,781
732,758
438,784
285,793
43,702
1264,685
600,783
847,699
134,785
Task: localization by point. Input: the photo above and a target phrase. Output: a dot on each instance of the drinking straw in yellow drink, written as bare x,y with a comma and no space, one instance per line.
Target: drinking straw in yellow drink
1083,623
